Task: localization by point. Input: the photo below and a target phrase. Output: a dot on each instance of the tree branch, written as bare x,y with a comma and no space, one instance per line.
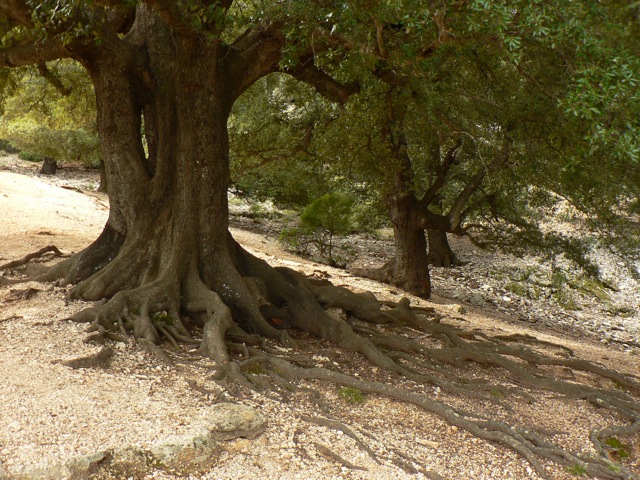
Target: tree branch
33,53
17,11
254,54
53,79
258,52
325,84
449,160
456,210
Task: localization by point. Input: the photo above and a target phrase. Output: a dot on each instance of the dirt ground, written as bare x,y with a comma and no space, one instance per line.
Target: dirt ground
50,414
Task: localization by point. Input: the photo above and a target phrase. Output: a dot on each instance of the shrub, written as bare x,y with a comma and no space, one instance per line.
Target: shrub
65,145
321,221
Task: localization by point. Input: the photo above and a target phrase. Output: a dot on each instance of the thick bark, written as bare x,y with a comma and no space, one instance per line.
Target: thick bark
409,268
104,182
166,246
440,252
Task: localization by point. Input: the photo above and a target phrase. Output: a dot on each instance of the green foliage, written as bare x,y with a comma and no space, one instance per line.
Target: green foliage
351,395
162,317
321,222
621,451
577,470
7,147
540,95
255,369
592,287
30,157
331,212
497,393
516,288
42,141
368,216
42,121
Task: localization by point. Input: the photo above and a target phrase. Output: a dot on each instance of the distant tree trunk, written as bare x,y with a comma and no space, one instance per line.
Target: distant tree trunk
440,252
49,167
409,269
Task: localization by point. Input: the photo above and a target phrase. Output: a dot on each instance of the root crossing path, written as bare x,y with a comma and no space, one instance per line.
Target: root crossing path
268,331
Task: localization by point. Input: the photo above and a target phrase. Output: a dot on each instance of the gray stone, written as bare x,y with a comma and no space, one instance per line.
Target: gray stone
227,421
197,449
81,467
476,299
180,451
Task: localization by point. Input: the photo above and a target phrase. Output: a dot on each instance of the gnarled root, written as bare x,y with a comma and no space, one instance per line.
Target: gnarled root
247,302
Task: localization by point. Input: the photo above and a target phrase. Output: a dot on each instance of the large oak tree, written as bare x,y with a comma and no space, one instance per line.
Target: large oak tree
166,75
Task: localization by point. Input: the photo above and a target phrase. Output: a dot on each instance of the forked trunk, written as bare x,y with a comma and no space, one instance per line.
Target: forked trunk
162,108
165,255
440,252
409,268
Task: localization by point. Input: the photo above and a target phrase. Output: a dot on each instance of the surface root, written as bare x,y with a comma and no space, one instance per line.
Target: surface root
239,317
27,258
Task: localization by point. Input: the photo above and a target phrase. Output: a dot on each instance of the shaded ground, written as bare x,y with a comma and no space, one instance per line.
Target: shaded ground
52,413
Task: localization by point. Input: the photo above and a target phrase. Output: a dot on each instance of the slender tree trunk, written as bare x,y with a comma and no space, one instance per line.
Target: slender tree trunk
440,252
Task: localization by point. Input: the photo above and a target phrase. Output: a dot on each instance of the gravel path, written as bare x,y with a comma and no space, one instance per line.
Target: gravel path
52,414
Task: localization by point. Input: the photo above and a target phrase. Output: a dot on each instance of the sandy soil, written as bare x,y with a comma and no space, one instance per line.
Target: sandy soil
51,413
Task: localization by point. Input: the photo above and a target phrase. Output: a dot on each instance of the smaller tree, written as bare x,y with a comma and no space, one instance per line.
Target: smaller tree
321,222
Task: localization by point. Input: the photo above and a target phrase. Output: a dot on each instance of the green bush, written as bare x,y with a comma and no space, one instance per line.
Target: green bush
331,212
351,395
321,222
30,157
7,147
62,145
368,216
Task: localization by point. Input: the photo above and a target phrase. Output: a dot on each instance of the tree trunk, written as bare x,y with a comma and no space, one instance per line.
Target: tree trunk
165,254
440,253
104,182
410,265
49,167
165,246
409,269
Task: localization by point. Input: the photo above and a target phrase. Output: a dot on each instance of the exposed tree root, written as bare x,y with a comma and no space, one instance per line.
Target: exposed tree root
231,311
98,359
326,451
528,443
326,422
27,258
390,274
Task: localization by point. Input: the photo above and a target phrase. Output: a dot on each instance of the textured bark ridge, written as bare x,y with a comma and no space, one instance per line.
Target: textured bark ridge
409,268
440,252
165,270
